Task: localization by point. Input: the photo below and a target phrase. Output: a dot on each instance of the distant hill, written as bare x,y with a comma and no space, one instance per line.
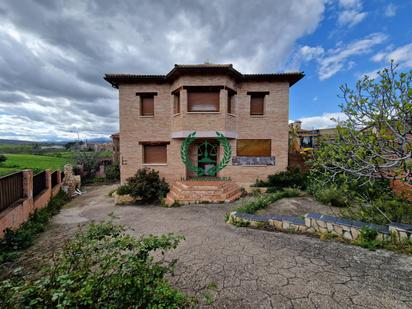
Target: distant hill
20,142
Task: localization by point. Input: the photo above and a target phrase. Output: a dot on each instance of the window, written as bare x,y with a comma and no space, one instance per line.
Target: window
230,103
256,104
203,101
176,104
147,105
154,154
253,148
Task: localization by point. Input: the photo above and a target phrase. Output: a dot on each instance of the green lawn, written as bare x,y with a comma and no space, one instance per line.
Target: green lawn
17,162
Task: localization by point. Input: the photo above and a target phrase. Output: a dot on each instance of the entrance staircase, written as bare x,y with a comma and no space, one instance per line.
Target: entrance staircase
198,191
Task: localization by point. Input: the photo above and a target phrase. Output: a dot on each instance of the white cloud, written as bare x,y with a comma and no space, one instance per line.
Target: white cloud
53,57
337,59
326,120
305,54
390,10
402,55
351,13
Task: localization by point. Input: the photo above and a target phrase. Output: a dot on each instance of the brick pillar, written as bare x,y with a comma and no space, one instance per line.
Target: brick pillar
223,97
59,176
48,179
183,101
28,184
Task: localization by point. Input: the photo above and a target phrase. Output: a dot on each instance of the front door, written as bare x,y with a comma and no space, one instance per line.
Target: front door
207,155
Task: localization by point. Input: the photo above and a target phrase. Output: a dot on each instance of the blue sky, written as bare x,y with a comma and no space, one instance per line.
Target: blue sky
385,25
54,53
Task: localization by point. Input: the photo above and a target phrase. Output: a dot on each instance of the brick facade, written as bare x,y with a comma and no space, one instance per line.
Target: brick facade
164,126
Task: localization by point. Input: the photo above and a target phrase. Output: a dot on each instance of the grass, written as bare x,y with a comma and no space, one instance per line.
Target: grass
17,162
263,200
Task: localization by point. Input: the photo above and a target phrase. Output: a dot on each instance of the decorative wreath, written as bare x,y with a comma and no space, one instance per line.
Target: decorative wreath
184,153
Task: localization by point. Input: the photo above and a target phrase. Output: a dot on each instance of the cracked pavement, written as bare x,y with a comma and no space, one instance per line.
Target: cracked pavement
224,266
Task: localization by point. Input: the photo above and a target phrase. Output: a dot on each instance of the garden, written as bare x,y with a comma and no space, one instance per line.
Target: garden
357,171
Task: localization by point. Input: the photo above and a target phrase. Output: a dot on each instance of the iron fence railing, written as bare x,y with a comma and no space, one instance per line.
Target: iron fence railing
11,189
39,183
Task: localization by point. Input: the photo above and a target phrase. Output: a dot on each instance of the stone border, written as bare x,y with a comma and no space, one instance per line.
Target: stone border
317,223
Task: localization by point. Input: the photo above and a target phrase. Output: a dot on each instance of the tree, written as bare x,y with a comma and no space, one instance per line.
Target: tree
375,142
3,158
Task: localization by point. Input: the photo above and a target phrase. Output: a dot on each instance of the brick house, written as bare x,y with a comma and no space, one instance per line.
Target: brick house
157,112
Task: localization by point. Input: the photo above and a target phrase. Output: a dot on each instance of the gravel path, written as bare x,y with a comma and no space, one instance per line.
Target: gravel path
229,267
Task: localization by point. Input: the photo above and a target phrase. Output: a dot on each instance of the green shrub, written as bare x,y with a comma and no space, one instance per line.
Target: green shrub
112,172
22,238
289,178
263,200
382,210
147,185
3,158
102,267
331,196
123,190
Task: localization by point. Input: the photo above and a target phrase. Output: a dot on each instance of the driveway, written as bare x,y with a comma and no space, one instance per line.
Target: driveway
229,267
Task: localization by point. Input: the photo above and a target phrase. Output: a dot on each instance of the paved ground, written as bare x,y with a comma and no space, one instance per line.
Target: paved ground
245,268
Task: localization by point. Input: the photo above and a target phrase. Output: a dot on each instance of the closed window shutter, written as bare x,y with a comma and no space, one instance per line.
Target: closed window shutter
230,101
253,147
176,104
154,154
147,106
203,101
256,104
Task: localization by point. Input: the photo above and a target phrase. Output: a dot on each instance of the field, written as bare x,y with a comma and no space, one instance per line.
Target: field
17,162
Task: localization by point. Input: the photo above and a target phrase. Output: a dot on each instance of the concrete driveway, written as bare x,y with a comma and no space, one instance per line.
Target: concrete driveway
229,267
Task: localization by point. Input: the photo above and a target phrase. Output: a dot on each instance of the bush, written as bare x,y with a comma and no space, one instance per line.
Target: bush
147,186
101,267
263,200
123,190
331,196
3,158
112,172
287,179
22,238
382,210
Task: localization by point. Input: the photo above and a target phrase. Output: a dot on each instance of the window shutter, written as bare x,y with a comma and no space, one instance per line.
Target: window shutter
253,147
203,101
256,104
147,108
230,101
154,154
176,104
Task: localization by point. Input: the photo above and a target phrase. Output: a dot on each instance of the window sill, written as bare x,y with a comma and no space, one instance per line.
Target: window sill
154,164
203,112
257,116
152,116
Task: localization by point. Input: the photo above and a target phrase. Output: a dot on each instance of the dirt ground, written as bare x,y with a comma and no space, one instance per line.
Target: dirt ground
247,268
299,206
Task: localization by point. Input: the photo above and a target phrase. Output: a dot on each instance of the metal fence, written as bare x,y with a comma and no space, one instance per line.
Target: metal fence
39,183
11,189
54,179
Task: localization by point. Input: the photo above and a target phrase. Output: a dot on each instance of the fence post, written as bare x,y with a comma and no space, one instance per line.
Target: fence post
49,182
28,184
59,176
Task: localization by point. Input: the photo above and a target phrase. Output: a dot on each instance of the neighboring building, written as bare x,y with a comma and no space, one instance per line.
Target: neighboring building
311,138
116,147
157,113
98,147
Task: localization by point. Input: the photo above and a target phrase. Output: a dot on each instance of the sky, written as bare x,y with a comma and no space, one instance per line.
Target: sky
54,53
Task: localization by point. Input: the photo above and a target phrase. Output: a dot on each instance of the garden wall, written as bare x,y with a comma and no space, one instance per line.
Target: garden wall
316,223
15,215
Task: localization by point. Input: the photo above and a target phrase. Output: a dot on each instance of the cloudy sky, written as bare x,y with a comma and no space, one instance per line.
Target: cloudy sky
53,54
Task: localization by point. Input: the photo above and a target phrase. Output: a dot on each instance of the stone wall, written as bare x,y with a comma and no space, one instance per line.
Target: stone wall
317,223
17,214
